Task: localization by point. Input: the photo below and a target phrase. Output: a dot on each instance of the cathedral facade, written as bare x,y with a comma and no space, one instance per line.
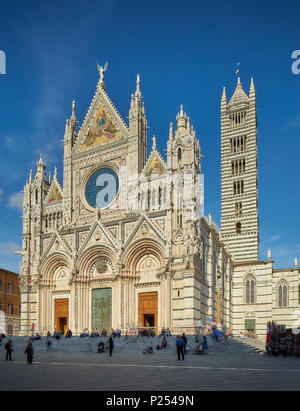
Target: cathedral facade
122,243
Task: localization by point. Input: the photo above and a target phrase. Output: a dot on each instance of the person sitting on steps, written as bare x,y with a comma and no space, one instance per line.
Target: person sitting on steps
101,347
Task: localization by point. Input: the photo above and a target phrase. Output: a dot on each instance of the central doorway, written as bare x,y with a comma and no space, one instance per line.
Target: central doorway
102,308
149,320
147,311
61,315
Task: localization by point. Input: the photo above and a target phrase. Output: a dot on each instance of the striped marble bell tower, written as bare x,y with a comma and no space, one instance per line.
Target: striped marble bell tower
239,184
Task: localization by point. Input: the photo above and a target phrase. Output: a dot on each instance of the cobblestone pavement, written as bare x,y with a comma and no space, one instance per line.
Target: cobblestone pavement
127,371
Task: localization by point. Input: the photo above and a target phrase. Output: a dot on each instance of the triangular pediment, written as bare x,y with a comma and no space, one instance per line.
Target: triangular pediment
155,164
145,227
97,235
57,244
54,194
102,125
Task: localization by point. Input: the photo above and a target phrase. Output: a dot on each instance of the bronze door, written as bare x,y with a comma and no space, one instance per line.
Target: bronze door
102,308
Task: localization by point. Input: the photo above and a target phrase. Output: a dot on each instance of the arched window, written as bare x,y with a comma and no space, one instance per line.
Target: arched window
36,196
238,228
10,287
250,290
282,294
159,196
179,154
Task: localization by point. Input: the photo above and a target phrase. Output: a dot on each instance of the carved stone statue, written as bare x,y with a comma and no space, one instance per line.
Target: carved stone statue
102,70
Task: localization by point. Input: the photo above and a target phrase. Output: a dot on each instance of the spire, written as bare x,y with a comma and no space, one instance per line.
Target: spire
67,126
224,99
171,131
138,91
181,121
30,177
73,117
252,90
239,97
40,168
50,177
154,143
296,262
41,162
181,110
55,172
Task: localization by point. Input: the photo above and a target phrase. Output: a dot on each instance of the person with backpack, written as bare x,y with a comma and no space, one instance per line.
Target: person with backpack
180,347
9,350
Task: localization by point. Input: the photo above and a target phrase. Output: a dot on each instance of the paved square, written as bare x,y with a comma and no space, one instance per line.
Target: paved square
127,371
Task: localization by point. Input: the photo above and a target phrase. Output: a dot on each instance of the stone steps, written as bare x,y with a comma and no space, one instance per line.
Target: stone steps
131,344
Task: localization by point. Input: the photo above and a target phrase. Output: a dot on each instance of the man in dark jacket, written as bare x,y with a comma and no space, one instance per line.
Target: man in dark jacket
29,352
180,346
9,350
110,345
185,342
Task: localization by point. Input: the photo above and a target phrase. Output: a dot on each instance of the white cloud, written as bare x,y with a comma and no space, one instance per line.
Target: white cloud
292,124
275,237
1,194
7,249
16,201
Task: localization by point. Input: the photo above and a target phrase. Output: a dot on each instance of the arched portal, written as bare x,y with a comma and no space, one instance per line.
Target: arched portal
144,261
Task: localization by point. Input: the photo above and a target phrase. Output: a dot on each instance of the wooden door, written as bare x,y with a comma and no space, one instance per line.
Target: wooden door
147,308
61,314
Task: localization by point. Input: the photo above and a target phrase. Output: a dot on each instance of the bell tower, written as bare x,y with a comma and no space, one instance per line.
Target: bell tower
239,182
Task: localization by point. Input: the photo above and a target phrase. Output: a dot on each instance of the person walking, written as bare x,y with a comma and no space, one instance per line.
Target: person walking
110,345
9,350
29,352
180,347
185,342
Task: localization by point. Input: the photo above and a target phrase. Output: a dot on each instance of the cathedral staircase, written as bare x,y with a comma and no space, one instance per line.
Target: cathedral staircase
133,345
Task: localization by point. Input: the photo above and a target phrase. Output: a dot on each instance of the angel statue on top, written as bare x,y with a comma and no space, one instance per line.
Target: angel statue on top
102,70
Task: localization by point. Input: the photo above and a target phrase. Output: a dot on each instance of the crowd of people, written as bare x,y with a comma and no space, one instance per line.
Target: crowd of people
279,340
146,332
96,333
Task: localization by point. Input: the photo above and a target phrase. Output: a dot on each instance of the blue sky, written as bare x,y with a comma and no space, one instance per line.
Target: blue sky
185,52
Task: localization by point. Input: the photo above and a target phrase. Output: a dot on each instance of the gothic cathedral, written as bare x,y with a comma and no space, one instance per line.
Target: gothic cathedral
123,242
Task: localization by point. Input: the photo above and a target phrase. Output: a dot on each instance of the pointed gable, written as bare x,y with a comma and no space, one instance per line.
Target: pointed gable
57,244
102,124
145,227
102,129
54,193
155,163
98,234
